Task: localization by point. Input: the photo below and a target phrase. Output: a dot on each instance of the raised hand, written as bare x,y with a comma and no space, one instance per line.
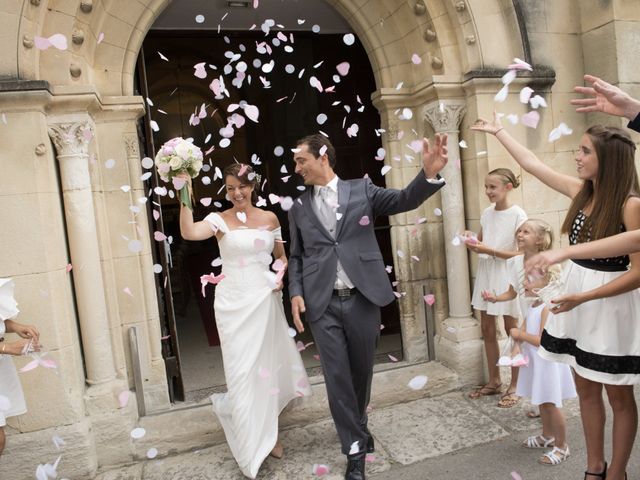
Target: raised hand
486,126
606,98
434,159
538,265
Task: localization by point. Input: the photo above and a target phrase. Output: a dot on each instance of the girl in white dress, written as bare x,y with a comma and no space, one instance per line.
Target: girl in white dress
495,244
262,366
11,397
594,327
546,383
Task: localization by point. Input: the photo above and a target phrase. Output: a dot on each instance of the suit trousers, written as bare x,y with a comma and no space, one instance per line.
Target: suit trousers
346,336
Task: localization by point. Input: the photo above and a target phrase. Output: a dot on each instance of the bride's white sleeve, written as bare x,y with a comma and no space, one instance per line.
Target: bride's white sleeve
277,233
217,222
8,304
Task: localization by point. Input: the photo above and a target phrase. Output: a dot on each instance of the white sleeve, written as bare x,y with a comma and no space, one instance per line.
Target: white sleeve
8,304
522,217
217,222
277,233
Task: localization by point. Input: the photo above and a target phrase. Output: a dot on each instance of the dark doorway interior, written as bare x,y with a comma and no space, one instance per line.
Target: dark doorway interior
289,109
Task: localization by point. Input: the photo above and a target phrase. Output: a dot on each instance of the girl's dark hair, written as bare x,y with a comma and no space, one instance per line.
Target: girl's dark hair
616,181
506,175
248,177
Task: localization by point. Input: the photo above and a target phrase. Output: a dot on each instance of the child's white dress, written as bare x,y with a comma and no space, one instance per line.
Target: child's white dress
499,232
10,387
543,381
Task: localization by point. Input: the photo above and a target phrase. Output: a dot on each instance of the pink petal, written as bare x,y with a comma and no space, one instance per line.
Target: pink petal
370,458
415,58
100,38
516,476
316,357
264,373
530,119
320,470
429,299
343,68
156,215
30,366
274,199
256,3
252,112
206,201
48,363
178,182
300,346
41,43
123,398
59,41
364,221
259,244
69,267
200,70
159,236
392,358
278,265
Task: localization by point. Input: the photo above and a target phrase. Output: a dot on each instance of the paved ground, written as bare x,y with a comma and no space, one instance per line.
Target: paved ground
446,437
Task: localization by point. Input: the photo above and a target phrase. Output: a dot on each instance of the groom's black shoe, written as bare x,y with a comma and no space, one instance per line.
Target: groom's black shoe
355,467
371,446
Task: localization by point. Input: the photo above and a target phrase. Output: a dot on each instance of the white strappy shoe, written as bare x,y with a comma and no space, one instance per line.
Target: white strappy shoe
555,456
539,441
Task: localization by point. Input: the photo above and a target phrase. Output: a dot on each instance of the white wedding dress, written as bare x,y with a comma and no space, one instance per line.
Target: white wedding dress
262,365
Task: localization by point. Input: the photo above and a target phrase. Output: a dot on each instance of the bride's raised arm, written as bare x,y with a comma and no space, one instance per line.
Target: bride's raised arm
565,184
189,229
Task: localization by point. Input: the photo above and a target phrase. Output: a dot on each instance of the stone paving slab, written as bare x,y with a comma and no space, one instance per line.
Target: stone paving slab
432,427
315,443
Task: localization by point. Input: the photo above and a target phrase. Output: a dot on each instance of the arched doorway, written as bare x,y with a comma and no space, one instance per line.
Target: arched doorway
304,76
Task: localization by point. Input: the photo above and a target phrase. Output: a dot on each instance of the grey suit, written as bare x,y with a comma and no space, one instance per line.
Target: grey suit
346,329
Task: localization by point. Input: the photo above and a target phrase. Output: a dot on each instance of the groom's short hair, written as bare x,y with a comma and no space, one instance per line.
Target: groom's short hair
315,143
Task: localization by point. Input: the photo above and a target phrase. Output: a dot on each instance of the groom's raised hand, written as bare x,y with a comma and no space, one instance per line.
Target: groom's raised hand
435,157
297,307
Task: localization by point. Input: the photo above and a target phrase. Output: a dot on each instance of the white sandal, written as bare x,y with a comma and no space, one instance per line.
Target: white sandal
555,456
535,442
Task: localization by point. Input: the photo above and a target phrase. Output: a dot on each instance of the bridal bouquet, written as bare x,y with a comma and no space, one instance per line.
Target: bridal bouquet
178,156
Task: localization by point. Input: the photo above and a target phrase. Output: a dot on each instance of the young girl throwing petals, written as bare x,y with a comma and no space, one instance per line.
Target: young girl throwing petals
496,243
594,326
546,383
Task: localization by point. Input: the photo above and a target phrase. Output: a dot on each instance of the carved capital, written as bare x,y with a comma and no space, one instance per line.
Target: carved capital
393,131
445,116
71,138
132,146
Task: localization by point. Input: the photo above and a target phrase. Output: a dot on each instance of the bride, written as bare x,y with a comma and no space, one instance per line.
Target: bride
262,366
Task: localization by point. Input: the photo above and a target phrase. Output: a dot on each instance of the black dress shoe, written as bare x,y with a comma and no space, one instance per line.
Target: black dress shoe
371,446
355,467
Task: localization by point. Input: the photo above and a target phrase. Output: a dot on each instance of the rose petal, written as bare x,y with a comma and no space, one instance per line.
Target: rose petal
429,299
418,382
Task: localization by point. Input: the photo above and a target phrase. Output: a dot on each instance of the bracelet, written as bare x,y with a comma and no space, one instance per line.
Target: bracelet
499,130
494,253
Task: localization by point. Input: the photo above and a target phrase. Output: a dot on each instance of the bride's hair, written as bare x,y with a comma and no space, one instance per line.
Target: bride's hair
245,174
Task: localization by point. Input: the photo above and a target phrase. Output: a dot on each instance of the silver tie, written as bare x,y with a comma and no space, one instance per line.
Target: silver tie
326,211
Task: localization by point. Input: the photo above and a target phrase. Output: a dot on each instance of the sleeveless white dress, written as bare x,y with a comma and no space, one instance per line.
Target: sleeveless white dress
13,403
262,365
543,381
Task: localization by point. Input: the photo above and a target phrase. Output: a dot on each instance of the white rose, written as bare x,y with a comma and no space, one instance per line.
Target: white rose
183,150
175,163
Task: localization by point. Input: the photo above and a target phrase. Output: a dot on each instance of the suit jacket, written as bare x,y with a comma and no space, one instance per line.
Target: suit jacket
314,253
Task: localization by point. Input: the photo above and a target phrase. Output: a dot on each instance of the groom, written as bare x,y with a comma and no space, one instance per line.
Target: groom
337,276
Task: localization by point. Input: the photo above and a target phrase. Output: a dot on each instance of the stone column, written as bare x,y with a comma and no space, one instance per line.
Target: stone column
71,141
460,325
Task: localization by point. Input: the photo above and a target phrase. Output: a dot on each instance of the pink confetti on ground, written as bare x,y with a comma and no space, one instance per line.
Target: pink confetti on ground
370,458
320,469
516,476
123,398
